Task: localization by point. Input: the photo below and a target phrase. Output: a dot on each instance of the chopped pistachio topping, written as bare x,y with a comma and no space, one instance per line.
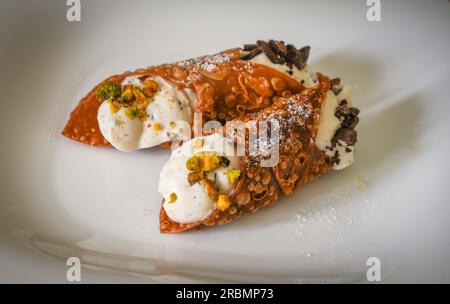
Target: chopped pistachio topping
149,88
108,90
223,202
172,198
210,188
203,162
210,161
193,163
139,96
127,95
136,99
112,107
194,177
233,175
172,124
131,112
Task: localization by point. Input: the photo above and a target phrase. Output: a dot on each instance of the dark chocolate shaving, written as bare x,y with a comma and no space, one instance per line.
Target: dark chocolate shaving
348,116
346,135
336,89
335,81
354,111
278,53
252,54
278,47
249,47
302,57
342,110
291,54
335,160
336,86
270,53
351,122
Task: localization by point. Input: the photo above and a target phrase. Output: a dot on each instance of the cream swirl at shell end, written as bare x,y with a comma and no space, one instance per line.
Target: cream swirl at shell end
166,117
188,203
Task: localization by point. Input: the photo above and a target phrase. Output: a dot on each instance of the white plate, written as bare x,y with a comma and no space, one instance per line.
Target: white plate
66,199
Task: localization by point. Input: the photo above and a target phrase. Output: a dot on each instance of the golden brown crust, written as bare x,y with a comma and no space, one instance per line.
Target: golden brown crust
300,160
226,88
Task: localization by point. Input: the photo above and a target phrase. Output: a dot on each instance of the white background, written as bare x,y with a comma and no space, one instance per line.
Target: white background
59,198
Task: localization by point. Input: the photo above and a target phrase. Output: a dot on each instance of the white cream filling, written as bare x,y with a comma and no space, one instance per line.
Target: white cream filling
169,108
329,124
193,203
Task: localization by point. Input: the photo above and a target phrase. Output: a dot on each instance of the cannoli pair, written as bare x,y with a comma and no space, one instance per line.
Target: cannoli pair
203,183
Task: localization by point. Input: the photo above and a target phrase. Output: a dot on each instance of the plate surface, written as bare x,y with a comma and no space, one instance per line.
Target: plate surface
65,199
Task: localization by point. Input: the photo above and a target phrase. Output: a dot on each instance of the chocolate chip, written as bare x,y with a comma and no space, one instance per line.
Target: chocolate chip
351,122
266,49
252,54
302,57
290,54
346,135
354,111
279,53
342,111
336,89
335,81
278,47
224,161
335,159
249,47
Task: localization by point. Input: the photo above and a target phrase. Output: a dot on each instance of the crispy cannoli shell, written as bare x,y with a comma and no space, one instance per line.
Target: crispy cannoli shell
300,160
226,88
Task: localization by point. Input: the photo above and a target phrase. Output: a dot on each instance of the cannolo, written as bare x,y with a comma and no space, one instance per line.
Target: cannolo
204,185
151,106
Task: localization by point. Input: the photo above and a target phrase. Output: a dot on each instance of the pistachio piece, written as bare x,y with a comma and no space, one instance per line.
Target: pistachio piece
193,163
112,107
209,161
194,177
127,95
233,175
131,112
223,202
149,87
172,198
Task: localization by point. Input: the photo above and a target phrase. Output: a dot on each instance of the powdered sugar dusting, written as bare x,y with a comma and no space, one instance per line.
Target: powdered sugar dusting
292,115
338,211
206,63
